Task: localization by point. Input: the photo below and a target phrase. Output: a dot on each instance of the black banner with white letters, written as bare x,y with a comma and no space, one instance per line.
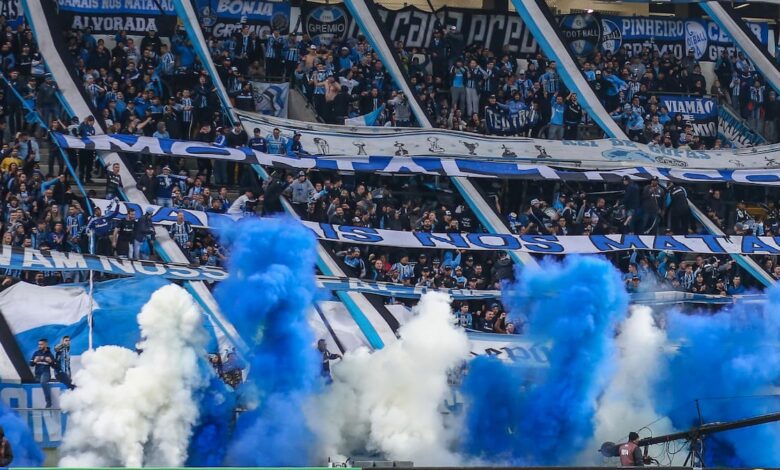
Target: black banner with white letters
414,27
586,33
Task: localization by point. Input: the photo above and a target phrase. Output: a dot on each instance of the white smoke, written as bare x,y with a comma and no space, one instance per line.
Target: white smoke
388,401
627,403
138,409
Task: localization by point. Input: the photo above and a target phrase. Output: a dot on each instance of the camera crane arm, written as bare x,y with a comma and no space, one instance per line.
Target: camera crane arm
710,428
695,434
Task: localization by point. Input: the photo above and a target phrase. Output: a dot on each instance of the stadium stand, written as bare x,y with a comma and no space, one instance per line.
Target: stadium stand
157,87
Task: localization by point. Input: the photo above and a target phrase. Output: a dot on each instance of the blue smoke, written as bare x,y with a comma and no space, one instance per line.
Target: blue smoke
25,449
576,305
267,296
725,360
210,438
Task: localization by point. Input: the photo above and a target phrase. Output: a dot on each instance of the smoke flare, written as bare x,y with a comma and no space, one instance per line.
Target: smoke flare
576,305
387,402
134,409
267,296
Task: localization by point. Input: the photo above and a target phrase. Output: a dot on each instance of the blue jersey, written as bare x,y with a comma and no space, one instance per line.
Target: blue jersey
166,183
101,226
257,143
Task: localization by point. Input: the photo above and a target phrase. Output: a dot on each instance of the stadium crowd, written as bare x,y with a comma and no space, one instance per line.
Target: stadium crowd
471,88
157,88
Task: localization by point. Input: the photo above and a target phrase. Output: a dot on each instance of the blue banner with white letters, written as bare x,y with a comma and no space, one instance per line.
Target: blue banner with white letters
589,33
47,425
701,113
223,18
541,244
27,259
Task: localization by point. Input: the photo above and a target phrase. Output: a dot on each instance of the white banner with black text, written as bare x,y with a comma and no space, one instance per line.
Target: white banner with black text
472,167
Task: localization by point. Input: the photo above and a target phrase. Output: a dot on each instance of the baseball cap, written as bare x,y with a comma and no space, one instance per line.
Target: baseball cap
534,201
301,173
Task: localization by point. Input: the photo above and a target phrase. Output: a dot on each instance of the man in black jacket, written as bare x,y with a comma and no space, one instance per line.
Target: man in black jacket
113,182
572,115
144,234
631,202
147,184
273,191
43,360
679,212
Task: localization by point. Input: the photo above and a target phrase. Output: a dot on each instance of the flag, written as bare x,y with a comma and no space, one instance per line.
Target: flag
366,119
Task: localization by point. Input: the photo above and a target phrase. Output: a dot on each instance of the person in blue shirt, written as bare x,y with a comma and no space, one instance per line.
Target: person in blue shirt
736,287
635,125
517,110
465,319
275,143
165,184
319,81
99,229
555,130
458,85
43,361
257,142
664,117
295,147
616,85
74,224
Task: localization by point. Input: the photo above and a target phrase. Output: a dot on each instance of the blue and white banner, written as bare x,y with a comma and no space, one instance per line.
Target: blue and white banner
47,425
223,18
27,259
366,119
622,155
271,99
589,33
702,113
327,140
540,244
33,312
734,131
